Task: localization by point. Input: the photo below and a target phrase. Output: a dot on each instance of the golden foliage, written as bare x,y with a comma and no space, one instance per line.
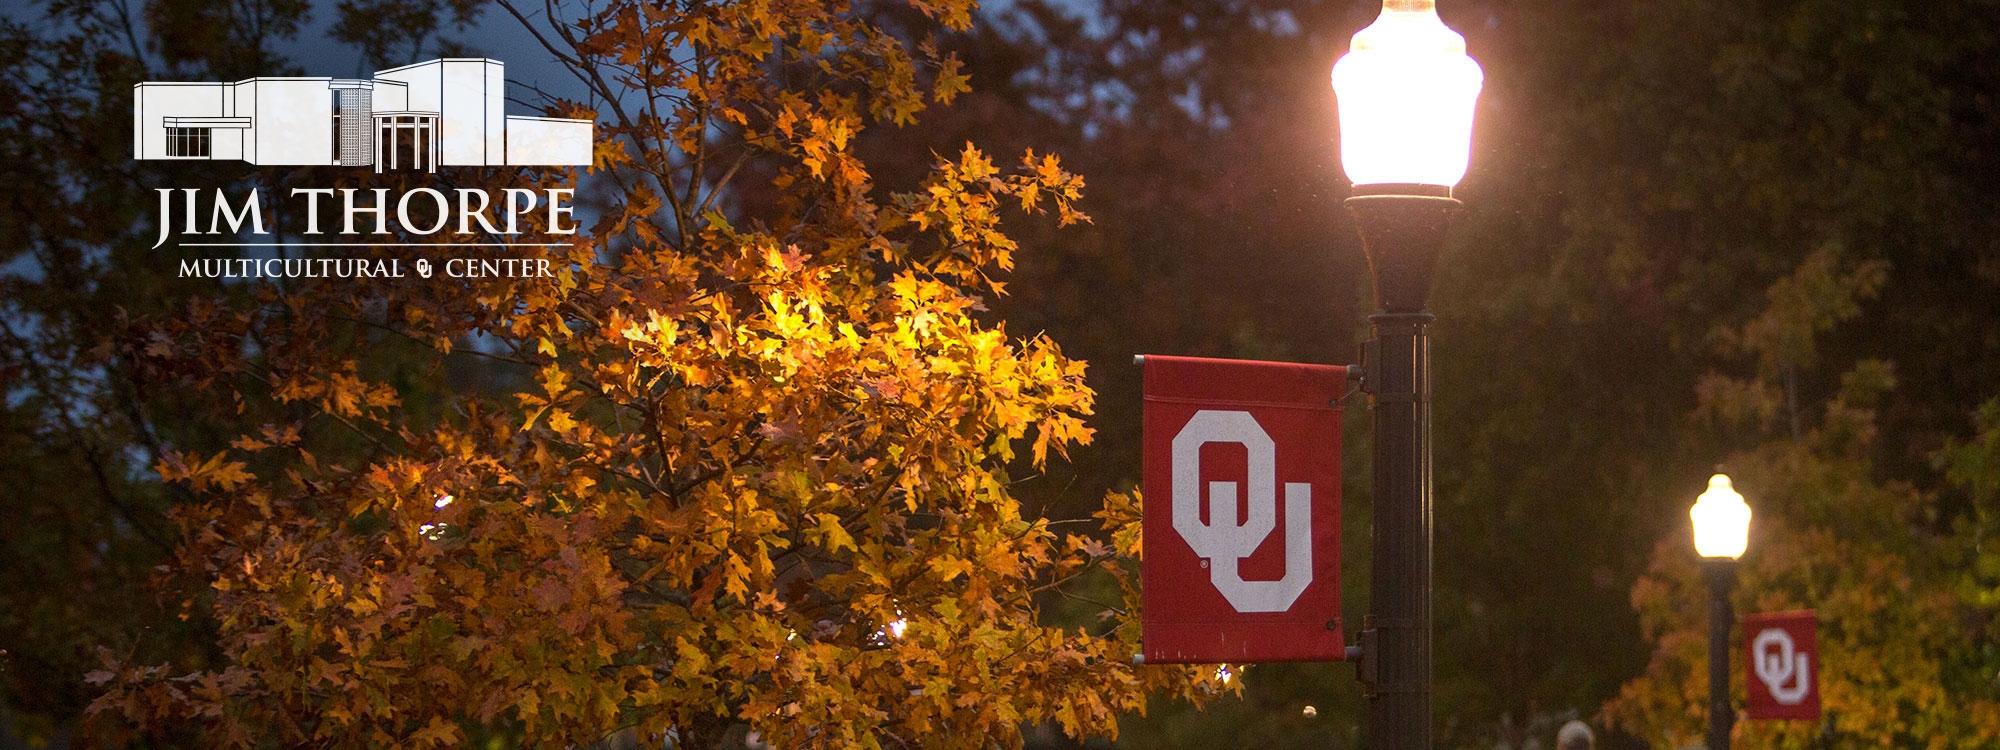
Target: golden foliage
752,471
1825,537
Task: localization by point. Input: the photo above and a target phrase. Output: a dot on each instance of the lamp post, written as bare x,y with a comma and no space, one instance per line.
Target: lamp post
1721,532
1406,91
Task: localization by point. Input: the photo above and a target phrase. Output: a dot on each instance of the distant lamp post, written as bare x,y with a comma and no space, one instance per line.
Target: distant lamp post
1721,532
1406,91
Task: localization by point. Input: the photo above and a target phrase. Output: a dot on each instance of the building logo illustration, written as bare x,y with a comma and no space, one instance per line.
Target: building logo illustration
447,112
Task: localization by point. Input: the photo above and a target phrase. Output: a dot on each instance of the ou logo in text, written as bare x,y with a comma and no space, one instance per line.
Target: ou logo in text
1778,661
1223,541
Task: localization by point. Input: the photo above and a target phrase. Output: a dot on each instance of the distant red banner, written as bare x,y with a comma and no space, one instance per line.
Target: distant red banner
1242,511
1783,651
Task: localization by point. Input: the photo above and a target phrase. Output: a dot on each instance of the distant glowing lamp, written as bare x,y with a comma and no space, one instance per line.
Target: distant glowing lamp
1721,520
1406,90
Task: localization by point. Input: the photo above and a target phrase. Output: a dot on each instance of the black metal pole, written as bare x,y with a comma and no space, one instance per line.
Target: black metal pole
1402,231
1721,574
1400,698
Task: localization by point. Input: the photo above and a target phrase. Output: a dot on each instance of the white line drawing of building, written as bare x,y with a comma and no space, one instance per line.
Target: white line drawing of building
445,112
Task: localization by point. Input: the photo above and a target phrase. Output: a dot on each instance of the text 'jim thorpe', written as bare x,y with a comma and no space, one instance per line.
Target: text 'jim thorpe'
422,212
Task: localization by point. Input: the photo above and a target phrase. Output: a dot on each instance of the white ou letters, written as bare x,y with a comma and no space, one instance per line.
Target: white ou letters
1223,541
1779,661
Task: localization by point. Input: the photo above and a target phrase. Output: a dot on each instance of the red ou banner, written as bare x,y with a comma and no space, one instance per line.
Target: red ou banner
1242,511
1783,674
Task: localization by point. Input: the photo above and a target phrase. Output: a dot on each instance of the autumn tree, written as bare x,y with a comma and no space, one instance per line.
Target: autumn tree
744,464
1833,234
1899,606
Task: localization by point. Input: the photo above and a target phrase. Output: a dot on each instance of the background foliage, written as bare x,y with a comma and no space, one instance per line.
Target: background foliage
1700,233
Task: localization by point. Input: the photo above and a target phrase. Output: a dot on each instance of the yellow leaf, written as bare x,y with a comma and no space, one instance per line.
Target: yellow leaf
439,732
835,536
229,476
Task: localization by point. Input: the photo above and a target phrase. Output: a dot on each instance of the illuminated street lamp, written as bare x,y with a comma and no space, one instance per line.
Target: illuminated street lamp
1721,520
1406,91
1721,532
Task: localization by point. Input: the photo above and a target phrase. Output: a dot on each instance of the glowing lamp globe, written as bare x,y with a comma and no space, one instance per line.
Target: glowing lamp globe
1406,91
1721,520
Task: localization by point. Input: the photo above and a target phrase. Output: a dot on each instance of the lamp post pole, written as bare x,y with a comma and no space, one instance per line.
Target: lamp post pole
1402,232
1721,574
1407,92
